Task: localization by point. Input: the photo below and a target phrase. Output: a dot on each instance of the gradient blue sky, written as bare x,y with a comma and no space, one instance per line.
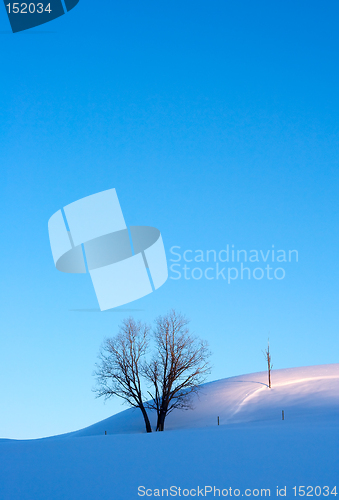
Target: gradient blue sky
216,122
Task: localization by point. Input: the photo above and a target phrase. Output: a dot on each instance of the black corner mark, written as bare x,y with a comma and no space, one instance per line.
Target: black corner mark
26,15
31,13
70,4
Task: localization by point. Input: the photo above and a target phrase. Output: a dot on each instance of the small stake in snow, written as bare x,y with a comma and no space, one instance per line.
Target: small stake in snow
218,420
283,415
105,433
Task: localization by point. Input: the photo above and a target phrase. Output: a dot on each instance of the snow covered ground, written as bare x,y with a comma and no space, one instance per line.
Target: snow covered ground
253,451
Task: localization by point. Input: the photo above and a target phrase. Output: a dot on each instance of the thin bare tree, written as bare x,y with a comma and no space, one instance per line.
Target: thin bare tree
267,355
120,360
179,366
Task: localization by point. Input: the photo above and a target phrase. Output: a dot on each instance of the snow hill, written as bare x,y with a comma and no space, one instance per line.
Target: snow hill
252,453
304,394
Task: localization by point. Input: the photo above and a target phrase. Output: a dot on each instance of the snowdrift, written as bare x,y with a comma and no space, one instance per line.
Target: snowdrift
252,453
304,394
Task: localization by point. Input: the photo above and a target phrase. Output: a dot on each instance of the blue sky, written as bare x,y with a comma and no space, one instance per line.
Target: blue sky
216,122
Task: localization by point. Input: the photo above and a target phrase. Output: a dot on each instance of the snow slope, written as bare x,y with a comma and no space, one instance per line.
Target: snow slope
251,451
305,394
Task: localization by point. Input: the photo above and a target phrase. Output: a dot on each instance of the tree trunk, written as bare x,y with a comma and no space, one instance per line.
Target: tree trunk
147,422
161,420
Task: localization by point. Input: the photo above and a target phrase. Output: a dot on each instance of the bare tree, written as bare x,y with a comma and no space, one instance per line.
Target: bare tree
118,371
267,355
178,367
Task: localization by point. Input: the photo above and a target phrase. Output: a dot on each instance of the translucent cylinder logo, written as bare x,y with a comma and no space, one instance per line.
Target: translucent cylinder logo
91,234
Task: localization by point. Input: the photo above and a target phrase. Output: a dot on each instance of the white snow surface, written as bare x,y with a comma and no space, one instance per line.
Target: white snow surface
251,449
305,394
